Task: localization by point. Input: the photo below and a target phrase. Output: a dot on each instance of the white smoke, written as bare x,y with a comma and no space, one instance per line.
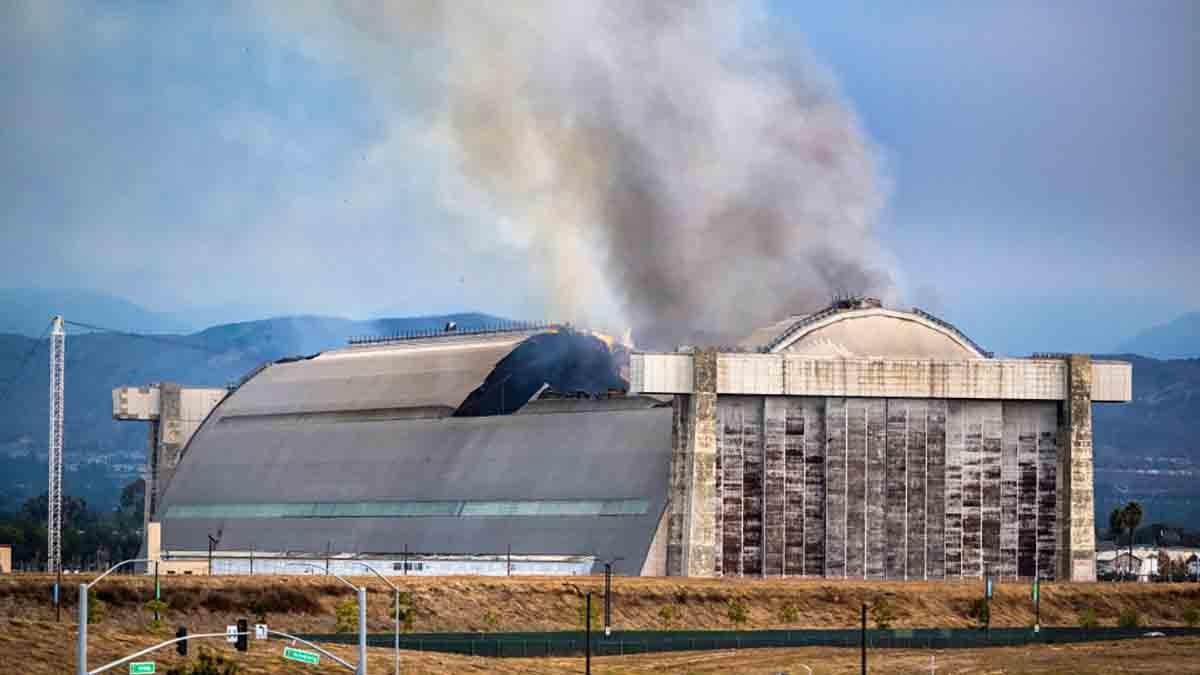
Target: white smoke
675,167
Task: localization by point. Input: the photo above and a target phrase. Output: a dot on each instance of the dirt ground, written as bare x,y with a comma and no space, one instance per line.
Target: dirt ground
306,603
45,648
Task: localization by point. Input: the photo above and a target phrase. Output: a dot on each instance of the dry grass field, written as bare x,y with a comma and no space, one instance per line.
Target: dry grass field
306,603
29,633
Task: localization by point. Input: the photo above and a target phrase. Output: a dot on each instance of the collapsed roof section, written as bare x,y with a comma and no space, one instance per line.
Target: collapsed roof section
433,375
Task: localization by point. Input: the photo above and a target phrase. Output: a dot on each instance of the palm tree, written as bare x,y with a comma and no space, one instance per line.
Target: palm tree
1116,525
1132,517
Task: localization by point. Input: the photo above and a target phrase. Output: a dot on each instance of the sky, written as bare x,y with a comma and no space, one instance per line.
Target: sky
1039,163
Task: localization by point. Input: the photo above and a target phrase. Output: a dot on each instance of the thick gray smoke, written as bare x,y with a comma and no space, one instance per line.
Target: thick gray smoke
668,166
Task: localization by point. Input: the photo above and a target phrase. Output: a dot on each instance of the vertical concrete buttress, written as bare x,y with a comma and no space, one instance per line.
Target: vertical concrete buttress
691,547
1076,520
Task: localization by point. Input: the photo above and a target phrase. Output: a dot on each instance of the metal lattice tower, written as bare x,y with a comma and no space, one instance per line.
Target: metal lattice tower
58,339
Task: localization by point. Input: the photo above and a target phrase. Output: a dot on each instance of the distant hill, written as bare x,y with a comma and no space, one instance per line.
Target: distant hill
1177,339
27,311
98,362
1149,449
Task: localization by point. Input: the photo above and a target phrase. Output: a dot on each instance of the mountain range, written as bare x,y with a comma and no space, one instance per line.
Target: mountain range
1148,449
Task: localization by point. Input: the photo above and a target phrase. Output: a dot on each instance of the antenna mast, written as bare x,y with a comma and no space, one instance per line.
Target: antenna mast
58,339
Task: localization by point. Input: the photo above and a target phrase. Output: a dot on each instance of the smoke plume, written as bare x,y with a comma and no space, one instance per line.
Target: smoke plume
675,167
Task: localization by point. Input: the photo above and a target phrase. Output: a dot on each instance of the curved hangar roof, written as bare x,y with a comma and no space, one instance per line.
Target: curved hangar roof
337,450
863,328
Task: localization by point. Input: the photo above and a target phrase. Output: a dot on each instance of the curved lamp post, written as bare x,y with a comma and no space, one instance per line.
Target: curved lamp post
396,590
362,613
81,648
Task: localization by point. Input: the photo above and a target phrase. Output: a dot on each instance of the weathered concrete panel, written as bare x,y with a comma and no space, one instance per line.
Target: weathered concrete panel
935,519
1009,491
677,494
733,466
990,467
972,498
774,485
701,521
876,422
1047,508
956,433
916,473
835,487
795,482
798,375
752,488
1076,541
856,488
814,487
1112,381
895,462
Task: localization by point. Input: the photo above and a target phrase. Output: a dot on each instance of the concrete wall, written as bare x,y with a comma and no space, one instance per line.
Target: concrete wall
869,488
791,375
174,413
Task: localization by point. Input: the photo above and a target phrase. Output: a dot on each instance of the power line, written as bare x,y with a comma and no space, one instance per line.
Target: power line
151,338
8,385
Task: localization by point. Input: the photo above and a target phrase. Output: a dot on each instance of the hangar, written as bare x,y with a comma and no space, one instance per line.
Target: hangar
854,442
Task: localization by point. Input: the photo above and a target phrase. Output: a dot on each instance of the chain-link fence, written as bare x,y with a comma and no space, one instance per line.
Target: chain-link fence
568,643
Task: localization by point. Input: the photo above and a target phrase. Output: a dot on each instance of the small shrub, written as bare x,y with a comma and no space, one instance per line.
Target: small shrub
882,613
1191,616
1087,619
736,611
95,606
789,614
347,617
258,607
207,663
581,613
681,597
158,608
490,621
980,612
408,611
667,614
1129,618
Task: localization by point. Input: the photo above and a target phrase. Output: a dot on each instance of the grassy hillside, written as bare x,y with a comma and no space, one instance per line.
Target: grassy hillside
307,603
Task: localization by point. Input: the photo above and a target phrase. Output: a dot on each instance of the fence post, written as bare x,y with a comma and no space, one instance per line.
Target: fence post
587,664
863,638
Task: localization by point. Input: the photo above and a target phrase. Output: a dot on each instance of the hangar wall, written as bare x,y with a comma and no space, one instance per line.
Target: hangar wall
874,488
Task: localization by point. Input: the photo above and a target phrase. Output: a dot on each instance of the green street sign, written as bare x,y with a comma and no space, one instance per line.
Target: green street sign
1035,590
302,656
141,667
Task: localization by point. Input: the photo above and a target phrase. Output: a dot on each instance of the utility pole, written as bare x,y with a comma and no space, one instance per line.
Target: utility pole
58,346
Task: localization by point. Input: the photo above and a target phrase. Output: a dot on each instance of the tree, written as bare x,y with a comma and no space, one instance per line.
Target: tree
1164,565
1132,516
1116,525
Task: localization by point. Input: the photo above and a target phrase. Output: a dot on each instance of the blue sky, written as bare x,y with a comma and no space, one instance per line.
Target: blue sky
1041,160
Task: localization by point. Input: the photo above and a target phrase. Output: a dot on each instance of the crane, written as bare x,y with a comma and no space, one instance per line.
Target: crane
58,346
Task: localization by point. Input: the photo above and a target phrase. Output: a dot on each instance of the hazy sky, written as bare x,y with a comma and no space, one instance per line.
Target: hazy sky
1041,162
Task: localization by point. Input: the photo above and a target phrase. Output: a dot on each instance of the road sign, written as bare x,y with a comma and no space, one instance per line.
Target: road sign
260,631
302,656
989,588
231,634
1035,590
141,667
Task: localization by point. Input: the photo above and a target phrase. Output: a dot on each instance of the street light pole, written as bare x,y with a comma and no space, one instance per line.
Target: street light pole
608,595
396,590
81,648
362,614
